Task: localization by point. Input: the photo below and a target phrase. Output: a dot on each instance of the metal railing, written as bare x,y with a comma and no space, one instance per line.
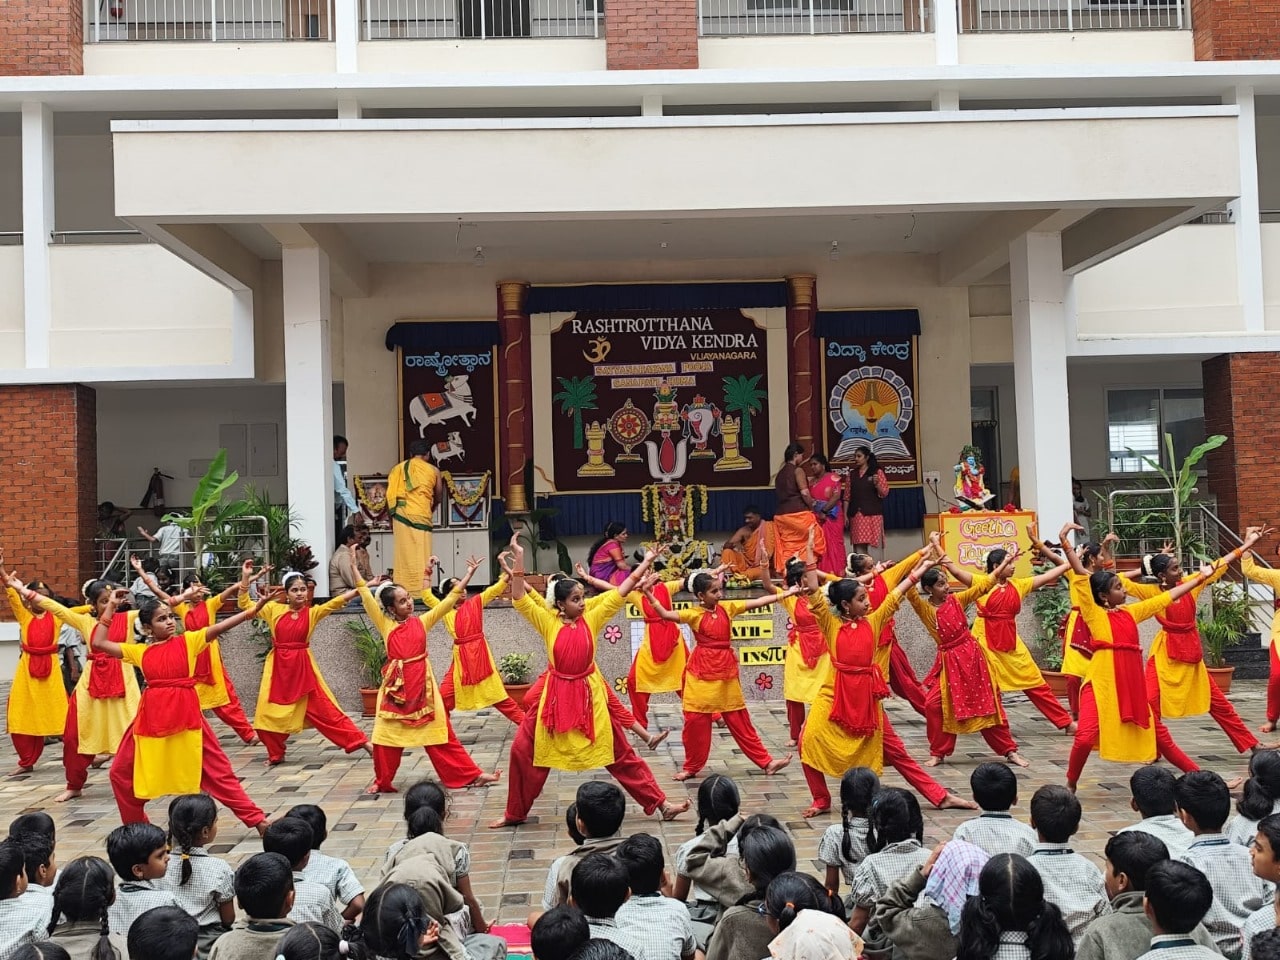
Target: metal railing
479,19
223,553
74,237
111,20
999,16
738,18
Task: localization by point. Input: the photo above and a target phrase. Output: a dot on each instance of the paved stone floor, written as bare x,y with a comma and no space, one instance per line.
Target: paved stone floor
510,865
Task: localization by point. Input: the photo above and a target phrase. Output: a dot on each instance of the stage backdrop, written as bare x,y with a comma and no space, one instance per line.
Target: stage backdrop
870,388
450,400
641,397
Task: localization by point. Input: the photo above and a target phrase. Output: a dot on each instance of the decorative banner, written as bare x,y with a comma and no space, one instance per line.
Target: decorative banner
641,399
968,537
870,390
449,401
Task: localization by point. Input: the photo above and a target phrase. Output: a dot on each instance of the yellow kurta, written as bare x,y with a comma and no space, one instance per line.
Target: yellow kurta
286,717
172,764
411,492
37,707
1075,663
1270,578
1015,670
892,577
100,723
929,617
711,696
573,750
827,746
1184,687
665,677
212,695
1117,740
490,690
393,733
801,684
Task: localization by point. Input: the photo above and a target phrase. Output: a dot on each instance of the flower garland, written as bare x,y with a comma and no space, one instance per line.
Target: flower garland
651,505
465,500
375,507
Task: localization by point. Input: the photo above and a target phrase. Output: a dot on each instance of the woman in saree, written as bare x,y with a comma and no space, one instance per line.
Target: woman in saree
793,515
605,558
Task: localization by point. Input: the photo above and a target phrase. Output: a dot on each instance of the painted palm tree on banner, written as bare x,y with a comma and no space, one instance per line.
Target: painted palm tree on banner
743,395
576,394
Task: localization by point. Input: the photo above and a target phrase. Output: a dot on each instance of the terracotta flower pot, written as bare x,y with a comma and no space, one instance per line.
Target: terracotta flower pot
1057,683
368,701
517,691
1222,677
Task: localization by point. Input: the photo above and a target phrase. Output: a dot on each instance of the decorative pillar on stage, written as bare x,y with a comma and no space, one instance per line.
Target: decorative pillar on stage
802,356
516,392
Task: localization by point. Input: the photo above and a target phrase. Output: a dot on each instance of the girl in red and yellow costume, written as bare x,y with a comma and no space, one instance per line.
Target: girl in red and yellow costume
37,705
570,727
105,699
658,666
410,710
1271,578
292,694
472,681
847,726
963,697
711,684
197,609
1115,714
169,748
996,630
893,660
1178,684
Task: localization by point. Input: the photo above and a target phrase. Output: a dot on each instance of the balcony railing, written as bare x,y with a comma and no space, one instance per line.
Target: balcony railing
108,20
479,19
738,18
1002,16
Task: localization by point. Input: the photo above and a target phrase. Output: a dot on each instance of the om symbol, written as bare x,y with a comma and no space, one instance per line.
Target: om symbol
600,350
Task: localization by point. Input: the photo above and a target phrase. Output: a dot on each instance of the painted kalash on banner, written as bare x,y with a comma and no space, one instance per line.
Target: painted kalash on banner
650,399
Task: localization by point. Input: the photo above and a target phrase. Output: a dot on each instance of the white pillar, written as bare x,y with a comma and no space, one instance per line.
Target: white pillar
946,32
308,400
1246,213
1040,377
346,35
37,226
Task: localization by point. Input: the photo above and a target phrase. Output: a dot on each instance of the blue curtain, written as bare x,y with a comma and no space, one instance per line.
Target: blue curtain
866,323
445,335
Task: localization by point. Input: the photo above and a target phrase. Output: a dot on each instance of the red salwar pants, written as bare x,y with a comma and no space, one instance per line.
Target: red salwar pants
896,756
75,763
697,738
1087,738
525,781
1273,688
1220,709
332,724
639,699
943,744
508,707
903,680
217,778
795,719
454,765
1042,699
28,747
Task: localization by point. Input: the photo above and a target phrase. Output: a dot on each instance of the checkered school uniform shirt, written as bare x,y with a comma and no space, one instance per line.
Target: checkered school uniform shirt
1073,884
660,924
313,903
1242,830
1166,827
998,832
1169,946
212,883
1012,946
831,846
881,870
1254,924
1236,891
23,919
333,874
133,899
606,928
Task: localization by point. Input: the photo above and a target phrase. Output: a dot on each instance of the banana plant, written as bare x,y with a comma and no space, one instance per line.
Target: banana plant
209,514
1182,481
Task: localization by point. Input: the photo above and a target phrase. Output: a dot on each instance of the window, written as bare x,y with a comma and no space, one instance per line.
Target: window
1137,421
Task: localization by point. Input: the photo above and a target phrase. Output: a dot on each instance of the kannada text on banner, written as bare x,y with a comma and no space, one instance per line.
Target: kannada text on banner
870,391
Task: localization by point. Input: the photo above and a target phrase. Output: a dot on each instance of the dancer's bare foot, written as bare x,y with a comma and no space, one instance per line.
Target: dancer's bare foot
262,828
952,802
19,771
670,811
485,779
656,739
373,789
99,760
367,747
1017,759
1235,783
66,795
816,810
272,763
1070,729
1264,746
934,761
791,744
252,742
1071,786
685,775
504,822
776,765
1268,727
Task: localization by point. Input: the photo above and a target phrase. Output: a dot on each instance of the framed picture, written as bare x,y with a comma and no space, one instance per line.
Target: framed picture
466,501
371,497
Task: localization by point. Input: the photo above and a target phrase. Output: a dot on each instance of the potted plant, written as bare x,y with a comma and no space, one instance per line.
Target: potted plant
515,670
1051,606
371,651
1223,625
210,518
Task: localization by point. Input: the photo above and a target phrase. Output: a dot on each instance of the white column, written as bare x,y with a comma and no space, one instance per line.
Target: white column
346,35
1246,213
946,32
37,225
308,400
1040,377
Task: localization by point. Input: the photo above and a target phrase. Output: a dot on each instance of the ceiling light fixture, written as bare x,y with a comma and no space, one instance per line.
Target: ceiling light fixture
835,250
479,259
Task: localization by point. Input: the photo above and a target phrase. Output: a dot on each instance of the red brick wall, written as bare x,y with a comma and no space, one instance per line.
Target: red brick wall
1240,393
49,466
1236,29
41,38
651,34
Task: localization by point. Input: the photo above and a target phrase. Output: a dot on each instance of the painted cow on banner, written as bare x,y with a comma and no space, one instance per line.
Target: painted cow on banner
448,449
431,408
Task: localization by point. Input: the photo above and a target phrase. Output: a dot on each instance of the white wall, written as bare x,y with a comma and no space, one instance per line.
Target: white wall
12,320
